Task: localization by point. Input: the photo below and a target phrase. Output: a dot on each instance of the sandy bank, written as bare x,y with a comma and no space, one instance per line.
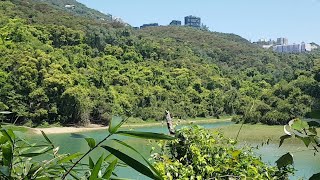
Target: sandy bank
62,130
94,127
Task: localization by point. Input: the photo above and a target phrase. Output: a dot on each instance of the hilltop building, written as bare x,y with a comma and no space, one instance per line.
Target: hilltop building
293,48
192,21
282,46
175,23
282,41
314,46
149,25
265,43
306,47
70,6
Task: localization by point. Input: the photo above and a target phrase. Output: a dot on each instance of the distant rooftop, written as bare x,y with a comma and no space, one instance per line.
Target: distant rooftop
149,25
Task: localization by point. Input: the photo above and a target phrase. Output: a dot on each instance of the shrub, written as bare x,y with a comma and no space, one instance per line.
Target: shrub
200,154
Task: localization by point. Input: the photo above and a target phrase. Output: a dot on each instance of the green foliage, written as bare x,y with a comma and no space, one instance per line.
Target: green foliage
60,68
18,158
306,132
285,160
315,176
132,162
145,135
79,9
69,66
200,154
145,168
303,131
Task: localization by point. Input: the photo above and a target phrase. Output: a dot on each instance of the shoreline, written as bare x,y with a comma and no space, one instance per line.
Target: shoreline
94,127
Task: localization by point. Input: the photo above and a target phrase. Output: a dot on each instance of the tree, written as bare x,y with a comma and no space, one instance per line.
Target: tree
216,103
77,105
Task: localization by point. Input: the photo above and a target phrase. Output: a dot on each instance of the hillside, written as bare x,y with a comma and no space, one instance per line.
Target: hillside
78,9
57,67
231,52
45,13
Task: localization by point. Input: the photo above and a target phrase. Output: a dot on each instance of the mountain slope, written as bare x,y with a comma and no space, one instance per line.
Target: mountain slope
231,52
78,9
59,67
37,12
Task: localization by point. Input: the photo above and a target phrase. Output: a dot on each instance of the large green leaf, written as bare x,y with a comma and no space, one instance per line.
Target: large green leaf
7,154
285,160
133,163
38,153
282,138
7,135
108,157
305,140
315,177
130,147
91,163
11,134
115,124
146,135
3,139
91,142
47,139
96,169
108,172
299,125
69,158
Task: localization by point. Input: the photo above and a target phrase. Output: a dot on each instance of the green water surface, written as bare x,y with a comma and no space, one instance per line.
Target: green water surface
305,162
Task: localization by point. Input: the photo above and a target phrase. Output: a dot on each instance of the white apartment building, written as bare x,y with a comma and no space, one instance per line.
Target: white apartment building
293,48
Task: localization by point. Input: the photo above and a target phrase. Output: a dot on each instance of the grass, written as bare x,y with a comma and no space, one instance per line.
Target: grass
137,122
16,128
209,118
256,133
253,132
134,123
132,120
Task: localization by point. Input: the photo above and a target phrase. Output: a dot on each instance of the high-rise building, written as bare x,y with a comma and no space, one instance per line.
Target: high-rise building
149,25
282,41
192,21
175,23
293,48
306,47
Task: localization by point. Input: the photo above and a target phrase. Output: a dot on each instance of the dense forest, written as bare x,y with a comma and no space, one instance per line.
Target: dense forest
60,68
77,9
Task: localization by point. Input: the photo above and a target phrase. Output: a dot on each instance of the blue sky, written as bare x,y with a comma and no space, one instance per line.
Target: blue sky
298,20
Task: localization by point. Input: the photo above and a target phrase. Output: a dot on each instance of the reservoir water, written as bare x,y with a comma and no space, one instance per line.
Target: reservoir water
305,162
